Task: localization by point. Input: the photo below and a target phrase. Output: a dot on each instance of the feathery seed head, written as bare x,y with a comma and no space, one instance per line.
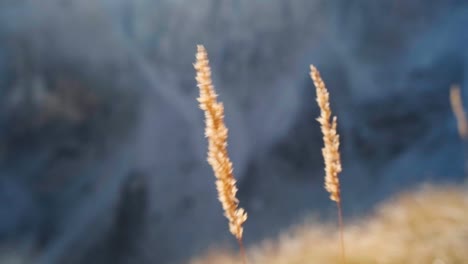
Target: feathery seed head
457,108
217,134
330,151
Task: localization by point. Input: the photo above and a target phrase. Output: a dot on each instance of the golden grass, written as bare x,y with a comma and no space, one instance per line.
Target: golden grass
218,157
330,151
458,110
331,139
426,226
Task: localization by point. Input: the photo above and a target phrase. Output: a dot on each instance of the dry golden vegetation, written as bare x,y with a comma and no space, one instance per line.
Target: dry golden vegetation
331,149
218,157
427,226
458,111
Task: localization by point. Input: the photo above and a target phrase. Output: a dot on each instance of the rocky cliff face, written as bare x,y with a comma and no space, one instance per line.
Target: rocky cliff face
102,154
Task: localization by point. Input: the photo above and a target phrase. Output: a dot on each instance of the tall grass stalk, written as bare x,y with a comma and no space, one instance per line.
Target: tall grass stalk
217,134
330,151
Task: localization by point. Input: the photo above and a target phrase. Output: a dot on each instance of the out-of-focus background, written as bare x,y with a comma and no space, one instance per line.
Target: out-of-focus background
102,152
